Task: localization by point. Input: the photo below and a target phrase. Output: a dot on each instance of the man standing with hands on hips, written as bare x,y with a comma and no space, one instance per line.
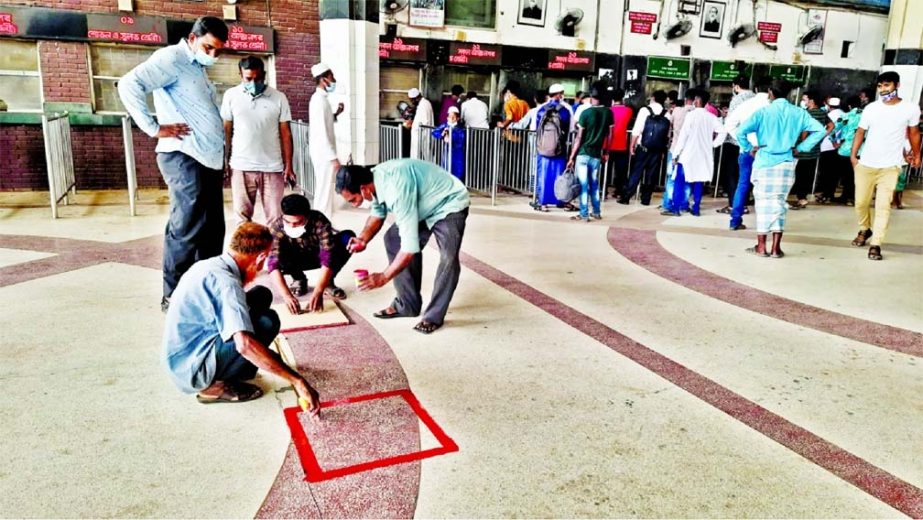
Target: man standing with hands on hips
190,147
323,147
426,201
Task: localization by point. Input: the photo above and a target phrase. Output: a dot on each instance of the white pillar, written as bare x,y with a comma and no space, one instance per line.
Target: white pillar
904,46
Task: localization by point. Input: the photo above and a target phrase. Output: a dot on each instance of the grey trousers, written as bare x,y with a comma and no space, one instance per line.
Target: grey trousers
195,229
449,233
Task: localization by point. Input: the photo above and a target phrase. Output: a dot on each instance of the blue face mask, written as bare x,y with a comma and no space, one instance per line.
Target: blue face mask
889,96
254,88
331,87
204,59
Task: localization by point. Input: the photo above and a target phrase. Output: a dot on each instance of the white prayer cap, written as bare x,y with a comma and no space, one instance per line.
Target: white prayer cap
319,70
453,109
413,93
556,88
834,101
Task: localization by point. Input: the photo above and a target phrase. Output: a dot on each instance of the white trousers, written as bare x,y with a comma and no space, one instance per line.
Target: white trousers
324,179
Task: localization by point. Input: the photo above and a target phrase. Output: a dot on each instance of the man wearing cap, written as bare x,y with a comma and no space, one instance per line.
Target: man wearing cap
555,116
258,142
453,150
423,115
827,167
322,139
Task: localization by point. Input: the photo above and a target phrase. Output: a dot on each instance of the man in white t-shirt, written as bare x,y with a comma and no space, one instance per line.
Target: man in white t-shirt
474,112
322,141
884,127
258,143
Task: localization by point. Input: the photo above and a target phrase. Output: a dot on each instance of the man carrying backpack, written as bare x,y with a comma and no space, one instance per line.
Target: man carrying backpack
553,122
649,140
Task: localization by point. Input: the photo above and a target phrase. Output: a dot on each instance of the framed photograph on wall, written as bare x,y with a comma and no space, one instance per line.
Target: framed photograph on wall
427,13
532,12
688,7
712,24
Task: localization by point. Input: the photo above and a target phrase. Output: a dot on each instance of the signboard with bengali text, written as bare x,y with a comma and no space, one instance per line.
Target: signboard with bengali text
571,61
668,68
250,39
793,73
728,70
402,49
461,53
150,30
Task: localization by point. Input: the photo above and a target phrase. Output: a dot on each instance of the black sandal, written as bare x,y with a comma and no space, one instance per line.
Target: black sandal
335,292
875,253
234,392
862,238
425,327
387,314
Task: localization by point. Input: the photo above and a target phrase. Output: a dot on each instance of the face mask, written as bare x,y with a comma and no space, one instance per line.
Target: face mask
204,59
889,96
293,232
254,88
331,87
452,124
804,105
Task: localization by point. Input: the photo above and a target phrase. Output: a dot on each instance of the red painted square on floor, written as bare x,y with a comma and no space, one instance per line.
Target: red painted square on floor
363,433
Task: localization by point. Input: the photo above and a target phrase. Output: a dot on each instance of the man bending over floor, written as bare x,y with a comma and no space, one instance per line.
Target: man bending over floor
216,335
305,240
425,200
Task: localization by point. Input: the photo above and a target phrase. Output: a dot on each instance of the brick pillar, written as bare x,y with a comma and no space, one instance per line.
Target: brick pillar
65,72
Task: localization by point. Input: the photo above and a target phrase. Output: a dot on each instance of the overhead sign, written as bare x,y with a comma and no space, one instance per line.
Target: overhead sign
793,73
668,68
474,54
571,60
150,30
642,23
769,26
252,39
402,49
769,37
37,22
729,70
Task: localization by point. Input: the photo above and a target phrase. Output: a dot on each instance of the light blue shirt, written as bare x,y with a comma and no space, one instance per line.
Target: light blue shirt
778,127
182,94
415,191
207,308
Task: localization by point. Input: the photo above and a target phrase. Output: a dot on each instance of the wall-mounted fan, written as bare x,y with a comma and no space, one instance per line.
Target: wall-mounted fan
391,7
815,32
567,21
680,28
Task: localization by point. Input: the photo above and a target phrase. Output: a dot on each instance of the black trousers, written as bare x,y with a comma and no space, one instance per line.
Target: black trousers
645,168
730,170
294,262
804,177
195,229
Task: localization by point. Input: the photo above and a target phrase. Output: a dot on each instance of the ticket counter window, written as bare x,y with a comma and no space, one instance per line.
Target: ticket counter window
476,81
20,79
394,84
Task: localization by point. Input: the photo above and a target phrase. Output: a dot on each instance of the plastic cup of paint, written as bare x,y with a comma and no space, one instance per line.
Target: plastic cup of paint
360,274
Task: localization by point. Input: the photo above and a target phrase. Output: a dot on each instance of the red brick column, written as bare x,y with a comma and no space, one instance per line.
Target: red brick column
65,72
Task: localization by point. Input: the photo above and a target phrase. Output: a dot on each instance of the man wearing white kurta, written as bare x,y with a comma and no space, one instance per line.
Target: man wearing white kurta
422,116
322,139
694,155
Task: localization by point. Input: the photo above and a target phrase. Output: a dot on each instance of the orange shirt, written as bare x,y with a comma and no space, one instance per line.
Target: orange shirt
514,109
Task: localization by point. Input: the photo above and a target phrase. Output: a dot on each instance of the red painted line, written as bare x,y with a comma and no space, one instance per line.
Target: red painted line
642,248
314,473
897,493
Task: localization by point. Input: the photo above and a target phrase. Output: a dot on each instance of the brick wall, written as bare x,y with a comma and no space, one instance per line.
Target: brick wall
65,73
99,160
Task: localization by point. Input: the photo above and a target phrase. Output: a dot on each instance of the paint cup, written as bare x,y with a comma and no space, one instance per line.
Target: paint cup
360,274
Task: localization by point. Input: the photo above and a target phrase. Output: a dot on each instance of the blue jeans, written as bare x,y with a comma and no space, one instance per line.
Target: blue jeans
745,163
587,171
667,203
679,191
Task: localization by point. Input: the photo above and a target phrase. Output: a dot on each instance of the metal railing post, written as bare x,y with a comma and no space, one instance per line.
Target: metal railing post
130,171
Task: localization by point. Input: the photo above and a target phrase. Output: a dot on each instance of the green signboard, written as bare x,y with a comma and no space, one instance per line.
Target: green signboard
793,73
728,70
668,68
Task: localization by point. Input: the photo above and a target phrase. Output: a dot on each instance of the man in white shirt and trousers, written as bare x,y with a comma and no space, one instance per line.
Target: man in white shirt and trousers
694,157
423,115
322,139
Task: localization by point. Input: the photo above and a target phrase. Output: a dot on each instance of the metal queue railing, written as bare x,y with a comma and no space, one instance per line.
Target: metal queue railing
301,158
391,142
130,171
59,159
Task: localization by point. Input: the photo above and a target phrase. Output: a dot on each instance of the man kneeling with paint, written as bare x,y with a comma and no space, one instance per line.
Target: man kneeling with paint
306,240
216,335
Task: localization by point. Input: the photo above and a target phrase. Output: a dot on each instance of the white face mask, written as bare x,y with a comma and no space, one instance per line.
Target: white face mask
204,59
804,105
293,232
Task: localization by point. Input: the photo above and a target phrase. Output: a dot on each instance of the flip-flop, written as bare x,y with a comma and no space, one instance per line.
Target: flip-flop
335,292
425,327
236,392
385,315
752,250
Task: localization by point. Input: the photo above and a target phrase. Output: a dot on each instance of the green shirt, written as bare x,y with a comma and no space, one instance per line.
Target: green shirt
415,191
595,122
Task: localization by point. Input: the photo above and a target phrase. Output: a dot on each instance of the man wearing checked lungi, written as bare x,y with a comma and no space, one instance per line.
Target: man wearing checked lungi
778,129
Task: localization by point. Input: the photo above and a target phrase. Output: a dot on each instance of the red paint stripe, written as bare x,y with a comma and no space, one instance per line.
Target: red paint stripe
875,481
642,248
314,473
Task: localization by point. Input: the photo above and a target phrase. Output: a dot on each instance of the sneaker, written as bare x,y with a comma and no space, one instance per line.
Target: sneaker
597,216
299,287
